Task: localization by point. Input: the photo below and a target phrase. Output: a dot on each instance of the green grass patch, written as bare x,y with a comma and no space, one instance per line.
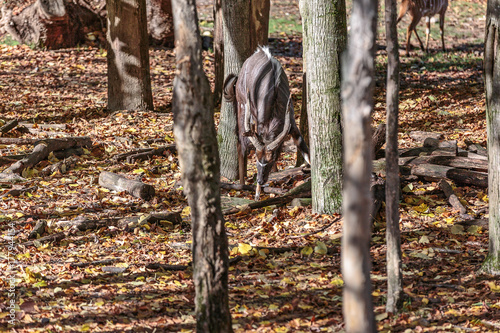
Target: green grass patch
289,25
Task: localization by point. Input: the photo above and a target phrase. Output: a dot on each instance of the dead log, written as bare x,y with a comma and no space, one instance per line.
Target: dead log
17,141
459,176
8,126
18,191
251,188
478,149
149,154
61,166
39,230
281,177
93,263
6,160
42,126
303,190
122,156
484,223
50,238
453,199
452,161
435,143
42,151
165,267
52,24
119,183
420,136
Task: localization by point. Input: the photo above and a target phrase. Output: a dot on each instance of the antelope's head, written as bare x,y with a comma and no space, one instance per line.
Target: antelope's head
266,153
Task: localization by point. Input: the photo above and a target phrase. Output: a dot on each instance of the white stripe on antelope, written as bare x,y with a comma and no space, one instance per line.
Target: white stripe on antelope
419,9
261,96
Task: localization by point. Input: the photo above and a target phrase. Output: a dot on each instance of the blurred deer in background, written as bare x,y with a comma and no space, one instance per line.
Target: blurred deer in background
419,9
261,96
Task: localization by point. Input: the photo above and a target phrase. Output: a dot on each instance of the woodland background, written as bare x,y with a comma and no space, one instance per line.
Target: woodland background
287,275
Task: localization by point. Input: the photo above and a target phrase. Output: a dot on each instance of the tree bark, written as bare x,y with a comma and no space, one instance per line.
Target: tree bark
260,22
119,183
129,82
392,187
491,264
195,136
357,95
324,31
237,48
303,125
218,52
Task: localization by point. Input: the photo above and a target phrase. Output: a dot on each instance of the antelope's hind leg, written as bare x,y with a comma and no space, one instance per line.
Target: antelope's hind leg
441,27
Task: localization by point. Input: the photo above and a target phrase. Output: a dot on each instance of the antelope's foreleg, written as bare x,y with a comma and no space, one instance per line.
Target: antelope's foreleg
242,164
441,28
427,33
300,142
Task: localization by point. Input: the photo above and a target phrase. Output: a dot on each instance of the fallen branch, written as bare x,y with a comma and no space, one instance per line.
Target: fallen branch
15,192
303,190
93,263
17,141
119,183
165,267
50,238
459,176
453,199
39,230
317,231
149,154
61,166
42,151
251,188
8,126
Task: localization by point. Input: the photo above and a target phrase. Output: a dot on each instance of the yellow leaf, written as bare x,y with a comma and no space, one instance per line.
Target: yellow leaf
424,240
140,170
306,251
244,248
273,307
293,211
338,282
425,300
494,287
449,220
19,214
320,248
186,211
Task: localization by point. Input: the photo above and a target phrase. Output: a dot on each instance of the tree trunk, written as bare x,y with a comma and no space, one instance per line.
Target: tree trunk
160,22
52,24
218,52
195,136
392,187
129,82
304,125
357,95
237,48
260,22
491,264
324,31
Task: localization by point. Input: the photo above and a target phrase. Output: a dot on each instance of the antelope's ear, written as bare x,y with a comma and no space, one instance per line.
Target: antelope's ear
230,87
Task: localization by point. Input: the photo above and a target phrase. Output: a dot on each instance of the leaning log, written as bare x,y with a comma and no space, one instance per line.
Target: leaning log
119,183
42,151
453,199
8,126
459,176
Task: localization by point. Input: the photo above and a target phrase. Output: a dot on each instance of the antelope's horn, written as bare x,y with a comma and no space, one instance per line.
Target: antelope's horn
253,138
286,127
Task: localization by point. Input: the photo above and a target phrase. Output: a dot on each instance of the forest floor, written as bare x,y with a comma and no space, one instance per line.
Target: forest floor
101,280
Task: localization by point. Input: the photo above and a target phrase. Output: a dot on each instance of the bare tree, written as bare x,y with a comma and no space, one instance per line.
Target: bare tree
392,187
196,142
324,37
357,94
129,82
491,264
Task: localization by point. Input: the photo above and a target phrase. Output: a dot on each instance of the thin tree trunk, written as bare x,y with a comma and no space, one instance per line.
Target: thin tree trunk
491,264
218,51
129,82
357,93
324,31
195,136
237,48
304,125
392,187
